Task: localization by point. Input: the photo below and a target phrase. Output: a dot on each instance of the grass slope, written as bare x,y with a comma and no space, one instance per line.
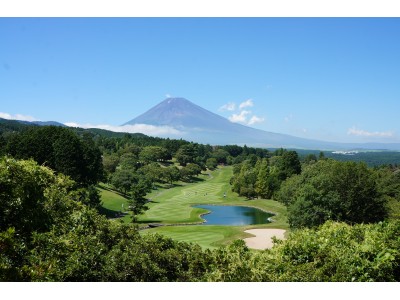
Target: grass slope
112,202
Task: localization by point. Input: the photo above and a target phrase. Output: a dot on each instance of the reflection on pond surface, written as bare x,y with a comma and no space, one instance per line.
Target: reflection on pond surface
234,215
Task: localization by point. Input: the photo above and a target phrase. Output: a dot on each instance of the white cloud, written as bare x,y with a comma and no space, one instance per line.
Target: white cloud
73,124
360,132
241,115
17,117
136,128
255,119
240,118
247,103
229,106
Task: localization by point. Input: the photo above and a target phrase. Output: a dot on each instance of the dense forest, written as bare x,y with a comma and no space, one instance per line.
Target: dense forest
344,216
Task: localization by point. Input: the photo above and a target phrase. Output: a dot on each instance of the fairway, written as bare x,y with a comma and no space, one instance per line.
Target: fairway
172,207
207,236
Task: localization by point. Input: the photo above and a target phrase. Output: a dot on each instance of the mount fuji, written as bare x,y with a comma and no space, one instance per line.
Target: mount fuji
200,125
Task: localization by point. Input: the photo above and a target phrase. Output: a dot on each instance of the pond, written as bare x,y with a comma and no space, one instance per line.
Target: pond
234,215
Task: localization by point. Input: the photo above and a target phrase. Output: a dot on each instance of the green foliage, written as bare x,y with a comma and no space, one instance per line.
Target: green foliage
32,200
388,182
189,171
89,196
262,185
186,154
12,253
60,149
221,156
31,197
331,190
289,165
154,154
310,158
336,252
137,202
2,145
232,263
110,163
128,161
47,234
244,183
153,171
123,180
103,251
256,177
171,174
211,163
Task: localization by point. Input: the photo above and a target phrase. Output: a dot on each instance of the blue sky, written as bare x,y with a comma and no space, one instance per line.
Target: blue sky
333,79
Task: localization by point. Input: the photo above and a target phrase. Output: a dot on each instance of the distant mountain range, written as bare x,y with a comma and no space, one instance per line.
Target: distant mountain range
203,126
45,123
31,123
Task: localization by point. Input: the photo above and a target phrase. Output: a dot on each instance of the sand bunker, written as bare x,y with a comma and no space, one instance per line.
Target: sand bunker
263,238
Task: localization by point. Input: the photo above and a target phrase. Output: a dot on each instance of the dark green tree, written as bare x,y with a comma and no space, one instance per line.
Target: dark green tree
186,154
171,174
123,180
211,163
332,190
289,165
60,149
110,163
244,182
129,161
154,154
137,201
189,171
262,188
152,171
221,156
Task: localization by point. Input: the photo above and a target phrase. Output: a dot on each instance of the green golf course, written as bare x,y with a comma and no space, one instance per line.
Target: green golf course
171,210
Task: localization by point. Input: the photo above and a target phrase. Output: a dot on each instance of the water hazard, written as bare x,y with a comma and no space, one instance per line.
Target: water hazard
234,215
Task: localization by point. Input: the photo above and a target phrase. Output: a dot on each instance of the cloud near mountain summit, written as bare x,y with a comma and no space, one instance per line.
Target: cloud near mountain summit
242,115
